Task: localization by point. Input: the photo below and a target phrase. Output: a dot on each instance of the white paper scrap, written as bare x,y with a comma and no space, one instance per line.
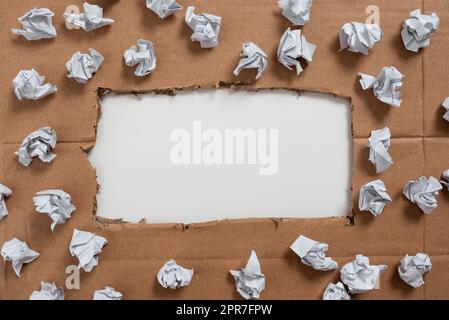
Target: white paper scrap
18,253
379,143
91,19
38,144
143,55
30,85
359,37
107,293
85,246
417,30
253,58
360,276
445,177
313,254
336,291
386,86
423,192
293,46
373,197
205,27
163,8
174,276
250,281
297,11
36,24
413,268
56,204
4,193
82,66
446,107
49,291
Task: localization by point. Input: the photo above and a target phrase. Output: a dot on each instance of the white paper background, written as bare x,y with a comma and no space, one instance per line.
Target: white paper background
138,180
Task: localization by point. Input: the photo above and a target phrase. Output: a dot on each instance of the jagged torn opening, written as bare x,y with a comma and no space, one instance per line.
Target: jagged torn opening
208,155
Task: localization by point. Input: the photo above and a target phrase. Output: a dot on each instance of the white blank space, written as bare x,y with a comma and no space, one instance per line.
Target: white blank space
138,180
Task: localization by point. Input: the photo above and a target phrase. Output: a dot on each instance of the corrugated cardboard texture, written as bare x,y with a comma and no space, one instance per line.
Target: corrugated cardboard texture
136,252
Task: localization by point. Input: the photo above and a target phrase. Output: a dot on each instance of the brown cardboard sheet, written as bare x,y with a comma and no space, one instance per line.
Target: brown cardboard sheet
135,252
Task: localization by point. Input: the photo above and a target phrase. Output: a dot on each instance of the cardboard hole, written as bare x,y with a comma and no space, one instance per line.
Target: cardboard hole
140,175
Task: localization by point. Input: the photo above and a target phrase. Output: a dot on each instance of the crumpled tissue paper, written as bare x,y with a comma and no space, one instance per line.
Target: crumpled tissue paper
36,24
85,246
82,66
417,30
423,192
359,37
107,293
297,11
336,291
143,56
446,107
360,276
253,58
174,276
313,254
413,268
18,253
56,204
205,27
30,85
163,8
386,86
49,291
373,197
38,144
293,46
91,19
379,142
249,281
4,193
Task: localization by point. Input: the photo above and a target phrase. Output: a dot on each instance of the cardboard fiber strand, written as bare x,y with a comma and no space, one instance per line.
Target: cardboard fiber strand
419,147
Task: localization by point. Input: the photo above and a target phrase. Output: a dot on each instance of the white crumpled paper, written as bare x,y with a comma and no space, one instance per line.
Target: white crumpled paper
174,276
4,193
82,66
91,19
359,37
386,86
36,24
379,143
313,254
163,8
38,144
143,56
423,192
336,291
250,281
56,204
360,276
205,27
297,11
253,58
413,268
373,197
107,293
445,177
85,246
30,85
417,30
49,291
446,107
18,253
292,46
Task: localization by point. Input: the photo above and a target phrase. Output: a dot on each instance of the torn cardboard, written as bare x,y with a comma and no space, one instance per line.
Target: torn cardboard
420,142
